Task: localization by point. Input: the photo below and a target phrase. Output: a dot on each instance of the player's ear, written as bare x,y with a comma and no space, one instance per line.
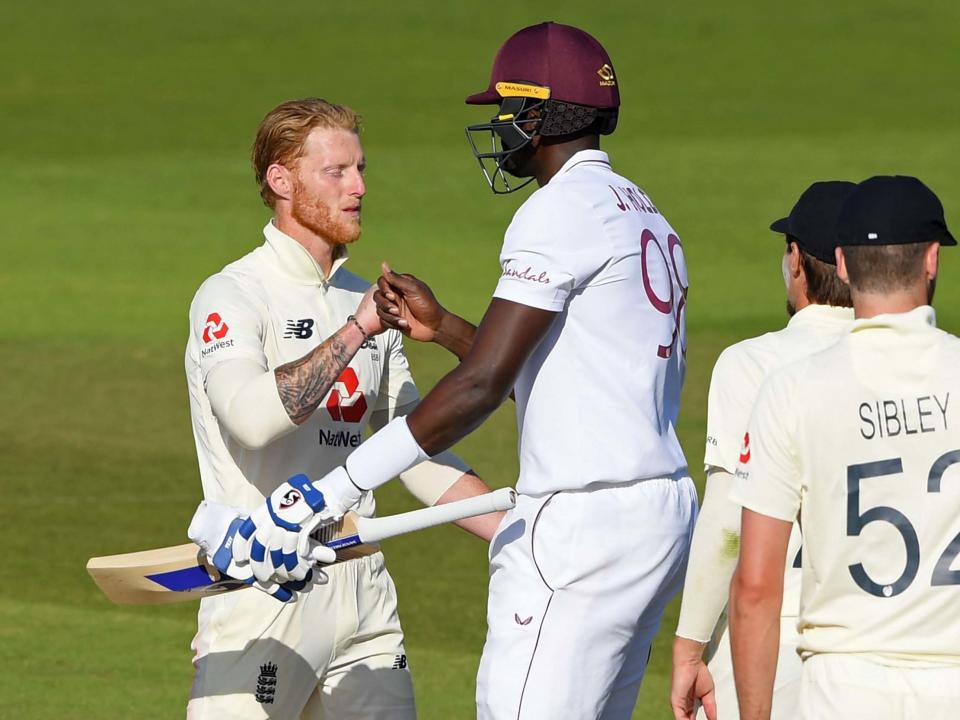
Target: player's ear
794,262
280,180
931,260
842,266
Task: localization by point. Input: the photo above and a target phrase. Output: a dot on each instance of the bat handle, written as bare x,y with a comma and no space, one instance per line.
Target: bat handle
503,499
370,530
374,529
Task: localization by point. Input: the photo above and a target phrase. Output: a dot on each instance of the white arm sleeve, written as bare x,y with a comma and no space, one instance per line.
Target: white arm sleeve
245,400
713,558
429,480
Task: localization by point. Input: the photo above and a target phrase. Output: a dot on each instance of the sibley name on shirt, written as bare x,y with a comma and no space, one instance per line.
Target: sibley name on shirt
903,416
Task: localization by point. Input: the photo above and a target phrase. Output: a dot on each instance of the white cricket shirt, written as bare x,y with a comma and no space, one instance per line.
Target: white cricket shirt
734,385
742,368
272,306
863,440
597,401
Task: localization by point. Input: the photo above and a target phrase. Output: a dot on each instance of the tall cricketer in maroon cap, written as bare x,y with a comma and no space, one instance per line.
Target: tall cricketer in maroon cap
557,92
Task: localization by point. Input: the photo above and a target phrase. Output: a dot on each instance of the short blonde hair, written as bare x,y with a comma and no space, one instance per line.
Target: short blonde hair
284,130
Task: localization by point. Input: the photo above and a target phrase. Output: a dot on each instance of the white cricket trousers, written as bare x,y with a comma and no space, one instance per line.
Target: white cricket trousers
853,688
336,653
578,583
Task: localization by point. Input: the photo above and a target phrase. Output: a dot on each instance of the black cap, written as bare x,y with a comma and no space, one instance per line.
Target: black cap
813,220
892,210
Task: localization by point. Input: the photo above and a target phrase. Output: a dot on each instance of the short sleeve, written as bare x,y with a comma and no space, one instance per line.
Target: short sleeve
768,477
396,385
733,390
547,251
226,324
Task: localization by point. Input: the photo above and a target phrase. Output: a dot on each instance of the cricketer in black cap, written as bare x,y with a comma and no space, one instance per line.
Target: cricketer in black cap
809,271
821,312
842,440
889,234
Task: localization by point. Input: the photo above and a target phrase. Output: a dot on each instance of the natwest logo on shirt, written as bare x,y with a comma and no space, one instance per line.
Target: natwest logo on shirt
216,328
346,402
745,449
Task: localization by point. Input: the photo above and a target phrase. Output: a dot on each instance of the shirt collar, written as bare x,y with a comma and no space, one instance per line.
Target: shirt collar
920,318
821,314
293,260
586,158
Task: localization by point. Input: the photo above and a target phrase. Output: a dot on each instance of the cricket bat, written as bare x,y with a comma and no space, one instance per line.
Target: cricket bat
182,572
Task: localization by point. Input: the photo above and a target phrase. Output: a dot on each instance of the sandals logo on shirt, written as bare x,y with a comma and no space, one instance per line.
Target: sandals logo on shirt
526,274
346,402
216,328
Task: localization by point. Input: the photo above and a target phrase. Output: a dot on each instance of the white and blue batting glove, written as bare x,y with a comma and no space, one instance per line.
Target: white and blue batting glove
268,540
214,528
339,493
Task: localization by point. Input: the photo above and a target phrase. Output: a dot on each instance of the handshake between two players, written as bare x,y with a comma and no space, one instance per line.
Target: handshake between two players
272,548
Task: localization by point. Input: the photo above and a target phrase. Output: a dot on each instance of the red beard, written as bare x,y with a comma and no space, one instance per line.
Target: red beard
317,217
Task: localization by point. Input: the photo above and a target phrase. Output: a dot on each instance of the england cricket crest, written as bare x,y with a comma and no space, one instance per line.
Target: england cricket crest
267,683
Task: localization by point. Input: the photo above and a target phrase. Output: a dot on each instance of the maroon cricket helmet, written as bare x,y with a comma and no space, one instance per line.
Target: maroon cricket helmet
571,64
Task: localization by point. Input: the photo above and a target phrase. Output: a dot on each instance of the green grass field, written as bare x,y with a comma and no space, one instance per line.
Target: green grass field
125,131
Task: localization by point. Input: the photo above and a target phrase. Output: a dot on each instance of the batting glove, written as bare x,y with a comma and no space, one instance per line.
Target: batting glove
268,540
214,528
339,494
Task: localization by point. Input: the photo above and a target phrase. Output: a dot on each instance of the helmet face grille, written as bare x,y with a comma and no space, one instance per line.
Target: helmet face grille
504,136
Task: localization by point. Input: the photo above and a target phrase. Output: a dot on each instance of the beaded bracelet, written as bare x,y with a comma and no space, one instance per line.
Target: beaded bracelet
353,319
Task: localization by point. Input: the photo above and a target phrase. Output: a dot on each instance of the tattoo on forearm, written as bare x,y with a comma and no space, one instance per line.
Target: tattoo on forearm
304,382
